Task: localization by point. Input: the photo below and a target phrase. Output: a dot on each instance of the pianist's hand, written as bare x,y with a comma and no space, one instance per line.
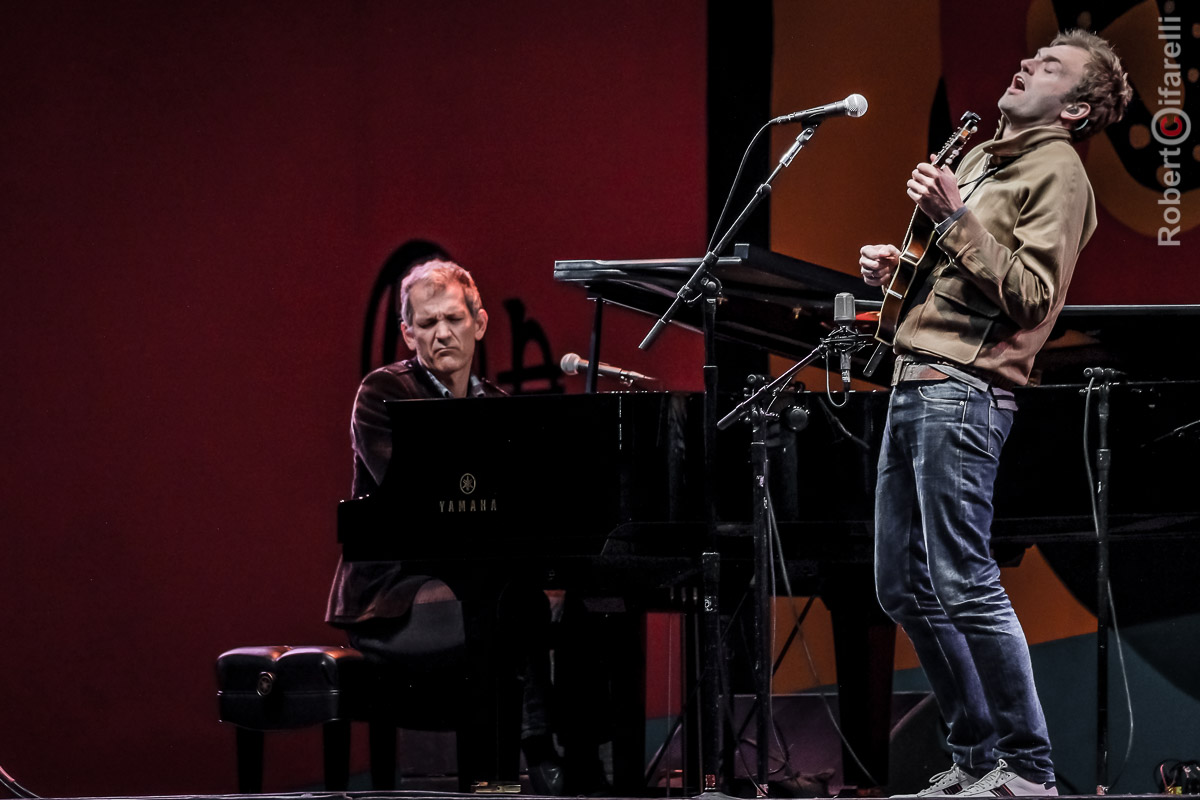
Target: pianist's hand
878,262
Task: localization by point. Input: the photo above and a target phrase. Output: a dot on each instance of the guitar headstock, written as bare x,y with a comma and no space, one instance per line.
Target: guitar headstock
954,145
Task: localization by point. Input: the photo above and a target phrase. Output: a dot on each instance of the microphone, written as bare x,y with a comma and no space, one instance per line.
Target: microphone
843,309
843,317
853,106
571,364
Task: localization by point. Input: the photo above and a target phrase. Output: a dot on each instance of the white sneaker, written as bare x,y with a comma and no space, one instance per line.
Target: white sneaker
952,781
1003,782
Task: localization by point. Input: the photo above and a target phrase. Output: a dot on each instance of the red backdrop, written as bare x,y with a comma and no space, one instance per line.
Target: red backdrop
198,198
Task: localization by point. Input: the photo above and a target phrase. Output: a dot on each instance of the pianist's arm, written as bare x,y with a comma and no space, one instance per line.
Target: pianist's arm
371,429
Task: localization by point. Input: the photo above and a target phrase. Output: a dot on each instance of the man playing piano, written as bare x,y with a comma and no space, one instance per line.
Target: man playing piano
1009,228
442,319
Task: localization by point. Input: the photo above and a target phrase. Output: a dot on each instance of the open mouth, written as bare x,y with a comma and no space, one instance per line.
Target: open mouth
1018,82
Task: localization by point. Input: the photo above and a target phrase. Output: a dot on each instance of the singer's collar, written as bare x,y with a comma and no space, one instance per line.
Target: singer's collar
1020,143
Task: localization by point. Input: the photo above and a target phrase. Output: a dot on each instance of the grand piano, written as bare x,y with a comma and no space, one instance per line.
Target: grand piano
604,493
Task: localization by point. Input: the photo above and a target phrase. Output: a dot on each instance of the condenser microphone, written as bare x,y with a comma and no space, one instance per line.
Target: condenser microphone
843,309
843,317
571,364
853,106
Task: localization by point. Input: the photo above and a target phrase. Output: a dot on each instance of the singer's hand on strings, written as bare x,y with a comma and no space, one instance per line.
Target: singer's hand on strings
877,263
935,191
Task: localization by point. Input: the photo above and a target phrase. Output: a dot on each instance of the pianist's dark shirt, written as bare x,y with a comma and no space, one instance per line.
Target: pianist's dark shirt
365,590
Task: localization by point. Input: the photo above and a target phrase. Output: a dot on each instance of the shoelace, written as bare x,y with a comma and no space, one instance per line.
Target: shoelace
944,780
996,777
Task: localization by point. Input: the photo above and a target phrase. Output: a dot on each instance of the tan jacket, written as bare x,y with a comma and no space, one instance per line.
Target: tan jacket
993,302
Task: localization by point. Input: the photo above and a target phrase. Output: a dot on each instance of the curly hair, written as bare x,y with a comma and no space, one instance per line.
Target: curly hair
440,273
1104,85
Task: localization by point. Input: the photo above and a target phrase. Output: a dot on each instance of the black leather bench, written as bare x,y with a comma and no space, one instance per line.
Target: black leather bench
280,687
276,688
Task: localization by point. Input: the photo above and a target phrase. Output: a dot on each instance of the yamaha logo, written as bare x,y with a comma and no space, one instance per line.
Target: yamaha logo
467,486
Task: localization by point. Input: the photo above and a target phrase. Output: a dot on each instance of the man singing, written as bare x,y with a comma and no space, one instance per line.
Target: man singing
1009,228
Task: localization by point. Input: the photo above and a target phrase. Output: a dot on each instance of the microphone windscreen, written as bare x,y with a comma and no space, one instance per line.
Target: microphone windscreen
856,105
570,363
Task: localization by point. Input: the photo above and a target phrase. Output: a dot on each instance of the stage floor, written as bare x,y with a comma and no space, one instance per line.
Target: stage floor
418,794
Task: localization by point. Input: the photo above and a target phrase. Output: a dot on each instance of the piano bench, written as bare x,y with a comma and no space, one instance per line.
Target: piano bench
277,687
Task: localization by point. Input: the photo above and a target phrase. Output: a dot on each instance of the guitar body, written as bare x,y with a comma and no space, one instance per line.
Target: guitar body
918,241
898,294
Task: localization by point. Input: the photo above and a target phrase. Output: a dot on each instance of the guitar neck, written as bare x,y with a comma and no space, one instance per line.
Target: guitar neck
918,241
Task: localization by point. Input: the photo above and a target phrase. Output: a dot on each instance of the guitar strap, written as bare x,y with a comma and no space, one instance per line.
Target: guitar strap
987,173
923,287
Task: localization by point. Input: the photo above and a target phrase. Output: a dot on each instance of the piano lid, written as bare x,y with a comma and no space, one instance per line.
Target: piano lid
781,304
749,272
784,305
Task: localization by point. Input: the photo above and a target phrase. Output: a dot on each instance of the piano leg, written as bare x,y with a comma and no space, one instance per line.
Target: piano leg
489,737
625,634
600,668
864,640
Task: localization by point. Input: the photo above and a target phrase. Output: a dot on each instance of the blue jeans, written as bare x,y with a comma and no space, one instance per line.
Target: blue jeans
936,577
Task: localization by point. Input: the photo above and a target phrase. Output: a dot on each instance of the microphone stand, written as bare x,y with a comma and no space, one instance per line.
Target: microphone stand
702,285
761,407
690,291
710,617
1103,617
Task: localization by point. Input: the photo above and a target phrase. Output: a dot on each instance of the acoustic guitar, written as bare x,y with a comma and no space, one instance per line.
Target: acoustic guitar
918,241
